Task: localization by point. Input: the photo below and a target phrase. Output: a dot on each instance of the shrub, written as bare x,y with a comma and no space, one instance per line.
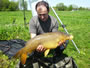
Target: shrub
13,6
6,5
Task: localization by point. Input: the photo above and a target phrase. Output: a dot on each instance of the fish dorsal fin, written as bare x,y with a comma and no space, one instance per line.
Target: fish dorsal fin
46,52
23,58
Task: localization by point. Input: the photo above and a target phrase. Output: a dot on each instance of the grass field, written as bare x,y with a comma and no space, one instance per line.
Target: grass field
77,23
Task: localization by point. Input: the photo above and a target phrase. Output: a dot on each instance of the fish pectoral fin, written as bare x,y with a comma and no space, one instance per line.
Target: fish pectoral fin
23,58
46,52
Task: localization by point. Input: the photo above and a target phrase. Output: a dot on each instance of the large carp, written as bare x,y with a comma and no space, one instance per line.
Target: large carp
48,40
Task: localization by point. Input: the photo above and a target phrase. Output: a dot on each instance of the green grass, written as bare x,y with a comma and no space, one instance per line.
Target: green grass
14,30
77,23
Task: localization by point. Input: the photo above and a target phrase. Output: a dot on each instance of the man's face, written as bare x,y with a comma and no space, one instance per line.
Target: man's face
42,12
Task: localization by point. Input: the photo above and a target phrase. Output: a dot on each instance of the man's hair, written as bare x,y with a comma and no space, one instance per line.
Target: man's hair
42,3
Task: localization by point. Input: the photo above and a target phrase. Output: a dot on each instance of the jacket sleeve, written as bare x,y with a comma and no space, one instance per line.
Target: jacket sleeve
32,26
55,27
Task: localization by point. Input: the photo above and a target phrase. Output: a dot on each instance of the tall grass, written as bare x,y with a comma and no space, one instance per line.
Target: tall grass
12,25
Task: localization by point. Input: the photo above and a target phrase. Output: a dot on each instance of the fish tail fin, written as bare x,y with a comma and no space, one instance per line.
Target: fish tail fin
23,58
18,54
22,55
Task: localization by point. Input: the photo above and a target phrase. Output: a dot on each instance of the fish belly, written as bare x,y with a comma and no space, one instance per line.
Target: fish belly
50,44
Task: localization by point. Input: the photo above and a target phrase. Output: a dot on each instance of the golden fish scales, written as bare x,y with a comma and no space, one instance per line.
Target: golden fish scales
48,40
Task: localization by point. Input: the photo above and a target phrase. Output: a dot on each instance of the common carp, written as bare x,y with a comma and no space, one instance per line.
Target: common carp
48,40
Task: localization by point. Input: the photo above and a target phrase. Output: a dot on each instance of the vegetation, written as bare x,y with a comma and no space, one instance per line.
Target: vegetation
77,23
62,7
5,62
6,5
12,24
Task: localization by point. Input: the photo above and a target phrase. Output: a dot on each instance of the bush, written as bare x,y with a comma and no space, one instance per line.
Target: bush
6,5
13,6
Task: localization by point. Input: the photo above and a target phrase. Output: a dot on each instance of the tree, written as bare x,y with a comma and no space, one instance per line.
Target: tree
61,7
75,7
70,8
4,4
8,5
81,8
65,8
13,6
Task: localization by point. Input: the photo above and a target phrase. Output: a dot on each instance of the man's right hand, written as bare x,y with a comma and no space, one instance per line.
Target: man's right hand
40,48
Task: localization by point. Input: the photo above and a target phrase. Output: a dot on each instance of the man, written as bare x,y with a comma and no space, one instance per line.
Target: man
43,23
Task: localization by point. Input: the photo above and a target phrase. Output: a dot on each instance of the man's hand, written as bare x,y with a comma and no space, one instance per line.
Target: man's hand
61,43
40,48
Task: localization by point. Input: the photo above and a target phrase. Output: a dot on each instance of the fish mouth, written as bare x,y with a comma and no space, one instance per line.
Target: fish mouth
71,37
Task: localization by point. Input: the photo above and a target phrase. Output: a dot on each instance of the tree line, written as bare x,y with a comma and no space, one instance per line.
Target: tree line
62,7
6,5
